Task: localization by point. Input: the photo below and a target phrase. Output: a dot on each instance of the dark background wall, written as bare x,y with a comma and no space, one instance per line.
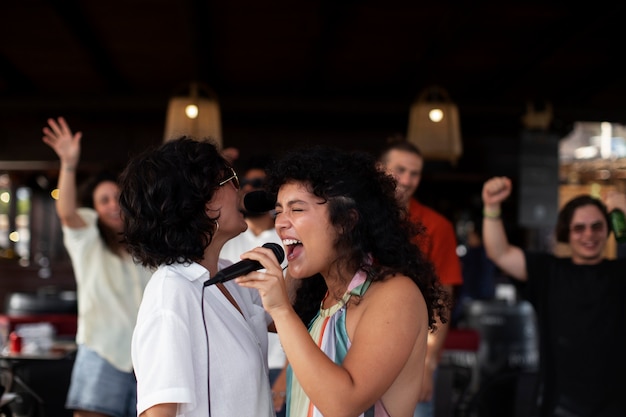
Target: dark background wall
287,73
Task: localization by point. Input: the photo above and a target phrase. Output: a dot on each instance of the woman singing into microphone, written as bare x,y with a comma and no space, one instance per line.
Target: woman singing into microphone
363,352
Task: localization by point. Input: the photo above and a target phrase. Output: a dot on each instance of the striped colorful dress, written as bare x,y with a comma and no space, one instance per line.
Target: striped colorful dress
328,329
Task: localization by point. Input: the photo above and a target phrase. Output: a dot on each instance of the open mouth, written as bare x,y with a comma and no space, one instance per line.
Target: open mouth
293,247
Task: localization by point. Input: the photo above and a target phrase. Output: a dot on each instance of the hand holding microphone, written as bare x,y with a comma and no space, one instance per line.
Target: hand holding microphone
245,266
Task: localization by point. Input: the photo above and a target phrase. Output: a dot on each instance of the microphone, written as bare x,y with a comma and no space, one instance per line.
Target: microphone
245,266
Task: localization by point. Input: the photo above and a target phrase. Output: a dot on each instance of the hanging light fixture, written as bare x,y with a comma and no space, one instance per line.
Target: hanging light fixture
434,125
195,114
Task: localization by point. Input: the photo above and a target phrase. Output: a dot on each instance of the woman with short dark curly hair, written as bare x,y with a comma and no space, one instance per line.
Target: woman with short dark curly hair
197,349
364,351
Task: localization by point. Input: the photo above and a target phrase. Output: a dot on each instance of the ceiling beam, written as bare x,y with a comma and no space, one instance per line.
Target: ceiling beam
71,13
200,15
13,79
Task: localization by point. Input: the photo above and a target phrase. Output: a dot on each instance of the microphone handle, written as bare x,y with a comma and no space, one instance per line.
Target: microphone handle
236,270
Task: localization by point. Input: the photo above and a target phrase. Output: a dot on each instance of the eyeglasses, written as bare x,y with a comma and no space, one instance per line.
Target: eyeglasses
234,178
596,227
253,182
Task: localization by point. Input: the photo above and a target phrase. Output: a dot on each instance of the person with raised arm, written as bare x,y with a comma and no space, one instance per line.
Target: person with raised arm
580,302
108,282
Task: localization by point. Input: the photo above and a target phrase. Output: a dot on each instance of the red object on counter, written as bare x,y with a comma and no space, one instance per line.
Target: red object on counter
64,324
15,342
462,339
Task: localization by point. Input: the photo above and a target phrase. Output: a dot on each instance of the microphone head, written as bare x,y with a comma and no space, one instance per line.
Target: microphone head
259,201
278,250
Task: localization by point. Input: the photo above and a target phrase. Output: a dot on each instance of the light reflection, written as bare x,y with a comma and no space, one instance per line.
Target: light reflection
14,237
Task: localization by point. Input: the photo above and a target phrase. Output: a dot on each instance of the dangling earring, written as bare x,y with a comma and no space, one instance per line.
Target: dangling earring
217,226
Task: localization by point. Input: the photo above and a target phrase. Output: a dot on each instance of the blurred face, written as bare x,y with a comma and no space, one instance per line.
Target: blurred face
406,168
106,203
303,224
253,180
225,201
588,235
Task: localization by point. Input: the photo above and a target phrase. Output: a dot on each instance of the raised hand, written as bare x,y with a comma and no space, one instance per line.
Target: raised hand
496,190
60,138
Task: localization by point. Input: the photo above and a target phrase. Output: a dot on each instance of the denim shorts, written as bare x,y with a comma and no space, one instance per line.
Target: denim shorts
99,387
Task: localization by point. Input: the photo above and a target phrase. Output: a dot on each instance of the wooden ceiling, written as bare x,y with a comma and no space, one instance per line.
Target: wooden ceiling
284,70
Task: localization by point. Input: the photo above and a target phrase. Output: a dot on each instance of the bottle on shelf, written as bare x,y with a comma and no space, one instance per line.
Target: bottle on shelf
618,225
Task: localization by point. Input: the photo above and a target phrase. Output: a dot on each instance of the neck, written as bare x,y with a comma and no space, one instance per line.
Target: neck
210,263
406,204
337,284
211,254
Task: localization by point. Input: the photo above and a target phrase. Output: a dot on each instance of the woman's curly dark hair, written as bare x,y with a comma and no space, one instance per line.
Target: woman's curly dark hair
351,183
163,198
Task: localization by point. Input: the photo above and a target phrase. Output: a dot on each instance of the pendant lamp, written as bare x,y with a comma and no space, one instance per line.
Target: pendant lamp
194,113
434,125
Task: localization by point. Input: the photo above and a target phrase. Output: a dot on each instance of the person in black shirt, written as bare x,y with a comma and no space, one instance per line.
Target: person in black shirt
580,302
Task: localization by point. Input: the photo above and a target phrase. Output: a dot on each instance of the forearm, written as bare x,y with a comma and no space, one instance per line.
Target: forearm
66,204
66,145
327,385
507,257
494,236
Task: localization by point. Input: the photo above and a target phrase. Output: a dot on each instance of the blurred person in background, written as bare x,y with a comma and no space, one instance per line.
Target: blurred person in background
109,284
580,302
479,272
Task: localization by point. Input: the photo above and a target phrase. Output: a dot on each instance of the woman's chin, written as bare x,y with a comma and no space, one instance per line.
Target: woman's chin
298,273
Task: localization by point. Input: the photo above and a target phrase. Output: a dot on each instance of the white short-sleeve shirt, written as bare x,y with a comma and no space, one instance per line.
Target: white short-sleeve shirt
169,346
109,290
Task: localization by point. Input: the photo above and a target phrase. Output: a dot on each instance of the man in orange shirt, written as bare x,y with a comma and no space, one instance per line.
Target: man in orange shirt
405,162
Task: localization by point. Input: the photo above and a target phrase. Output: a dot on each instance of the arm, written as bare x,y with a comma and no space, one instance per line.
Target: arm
508,257
67,146
292,286
279,388
386,329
